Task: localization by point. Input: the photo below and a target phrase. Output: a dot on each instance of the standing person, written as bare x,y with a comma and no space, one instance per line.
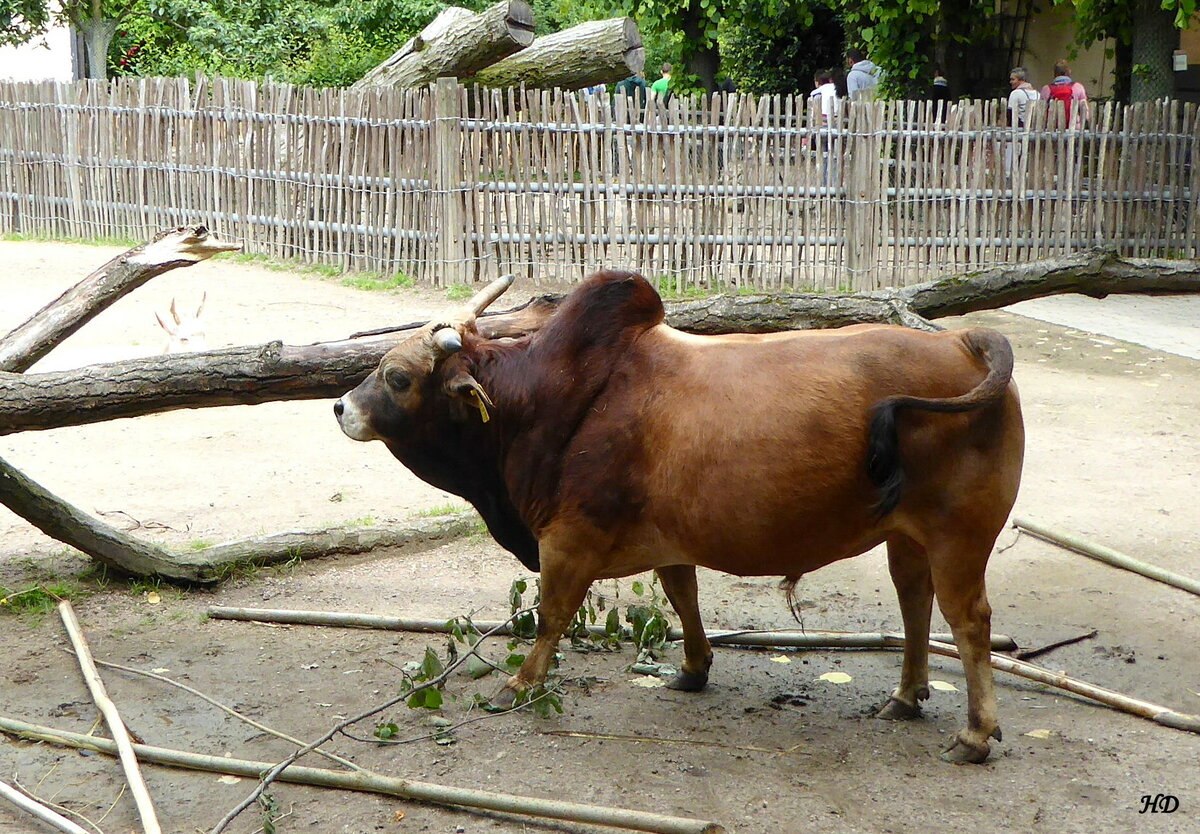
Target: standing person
1021,98
1020,102
939,91
824,96
1070,92
662,87
862,80
635,87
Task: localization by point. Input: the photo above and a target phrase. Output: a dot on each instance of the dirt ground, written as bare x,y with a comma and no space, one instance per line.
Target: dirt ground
768,748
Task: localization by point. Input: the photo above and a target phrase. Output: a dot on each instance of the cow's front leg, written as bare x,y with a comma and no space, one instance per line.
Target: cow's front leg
679,584
564,587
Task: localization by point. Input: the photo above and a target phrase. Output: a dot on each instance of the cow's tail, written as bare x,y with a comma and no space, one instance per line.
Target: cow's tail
883,445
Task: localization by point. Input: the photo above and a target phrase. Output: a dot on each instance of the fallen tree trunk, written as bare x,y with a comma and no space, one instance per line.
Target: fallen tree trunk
48,327
129,555
266,373
458,43
1095,274
596,52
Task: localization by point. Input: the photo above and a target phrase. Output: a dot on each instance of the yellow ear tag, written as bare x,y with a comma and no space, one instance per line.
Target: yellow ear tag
483,412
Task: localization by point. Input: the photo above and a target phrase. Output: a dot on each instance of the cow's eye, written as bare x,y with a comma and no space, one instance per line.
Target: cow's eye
397,380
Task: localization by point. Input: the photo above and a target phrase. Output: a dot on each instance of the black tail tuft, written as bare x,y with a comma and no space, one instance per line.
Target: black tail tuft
883,457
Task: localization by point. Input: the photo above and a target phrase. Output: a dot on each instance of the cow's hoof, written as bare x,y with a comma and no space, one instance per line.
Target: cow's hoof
964,750
686,681
897,710
504,699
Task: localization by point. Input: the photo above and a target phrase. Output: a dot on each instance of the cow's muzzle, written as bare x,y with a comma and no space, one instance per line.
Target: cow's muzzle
352,420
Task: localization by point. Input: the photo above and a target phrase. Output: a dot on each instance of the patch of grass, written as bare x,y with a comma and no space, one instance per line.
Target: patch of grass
199,544
368,281
37,599
374,282
127,242
365,521
441,509
459,292
238,570
145,585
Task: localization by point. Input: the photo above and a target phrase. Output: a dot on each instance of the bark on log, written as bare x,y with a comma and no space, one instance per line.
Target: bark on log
596,52
48,327
266,373
124,553
72,526
457,43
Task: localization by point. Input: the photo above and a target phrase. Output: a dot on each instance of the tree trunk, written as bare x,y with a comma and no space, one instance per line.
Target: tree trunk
72,526
596,52
97,35
701,58
265,373
457,43
48,327
1154,41
1122,70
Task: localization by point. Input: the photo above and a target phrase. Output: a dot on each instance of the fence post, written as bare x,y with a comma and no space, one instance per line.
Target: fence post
447,183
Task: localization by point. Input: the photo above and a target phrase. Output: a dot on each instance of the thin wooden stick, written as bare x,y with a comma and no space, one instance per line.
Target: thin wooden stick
785,639
141,796
1145,709
39,810
230,711
1107,555
375,783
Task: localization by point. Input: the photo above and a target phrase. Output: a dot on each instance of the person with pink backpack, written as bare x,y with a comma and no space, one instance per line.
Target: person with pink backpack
1070,92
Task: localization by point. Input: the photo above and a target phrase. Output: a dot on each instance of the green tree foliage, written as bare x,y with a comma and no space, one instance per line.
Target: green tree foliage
317,42
1144,35
783,61
96,20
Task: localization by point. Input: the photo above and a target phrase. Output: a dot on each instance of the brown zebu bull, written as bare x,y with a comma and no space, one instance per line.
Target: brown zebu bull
606,443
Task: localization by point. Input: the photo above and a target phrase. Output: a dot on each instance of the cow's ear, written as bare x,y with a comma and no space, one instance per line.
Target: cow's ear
465,389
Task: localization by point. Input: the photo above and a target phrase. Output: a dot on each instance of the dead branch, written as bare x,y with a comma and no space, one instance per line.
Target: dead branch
119,550
1158,714
1030,654
48,327
388,786
91,675
72,526
228,710
754,639
39,810
457,43
266,373
1106,554
593,52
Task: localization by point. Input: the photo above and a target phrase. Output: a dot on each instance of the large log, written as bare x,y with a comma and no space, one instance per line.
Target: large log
458,43
48,327
596,52
266,373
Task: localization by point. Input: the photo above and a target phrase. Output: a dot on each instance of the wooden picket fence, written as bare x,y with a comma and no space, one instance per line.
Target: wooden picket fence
453,185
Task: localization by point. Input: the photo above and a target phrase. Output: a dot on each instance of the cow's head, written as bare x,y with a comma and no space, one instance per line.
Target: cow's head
414,371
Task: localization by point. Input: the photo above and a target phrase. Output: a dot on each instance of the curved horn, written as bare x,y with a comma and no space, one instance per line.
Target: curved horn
447,340
486,296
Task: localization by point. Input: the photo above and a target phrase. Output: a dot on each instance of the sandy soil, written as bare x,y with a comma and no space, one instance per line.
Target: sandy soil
768,748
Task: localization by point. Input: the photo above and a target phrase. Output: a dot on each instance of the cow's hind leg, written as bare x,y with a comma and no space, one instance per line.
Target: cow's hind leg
962,597
909,567
679,584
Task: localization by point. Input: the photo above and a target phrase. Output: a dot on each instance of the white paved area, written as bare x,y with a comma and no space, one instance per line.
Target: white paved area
1170,323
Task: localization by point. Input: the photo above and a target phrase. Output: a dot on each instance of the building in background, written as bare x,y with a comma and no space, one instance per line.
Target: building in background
52,57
